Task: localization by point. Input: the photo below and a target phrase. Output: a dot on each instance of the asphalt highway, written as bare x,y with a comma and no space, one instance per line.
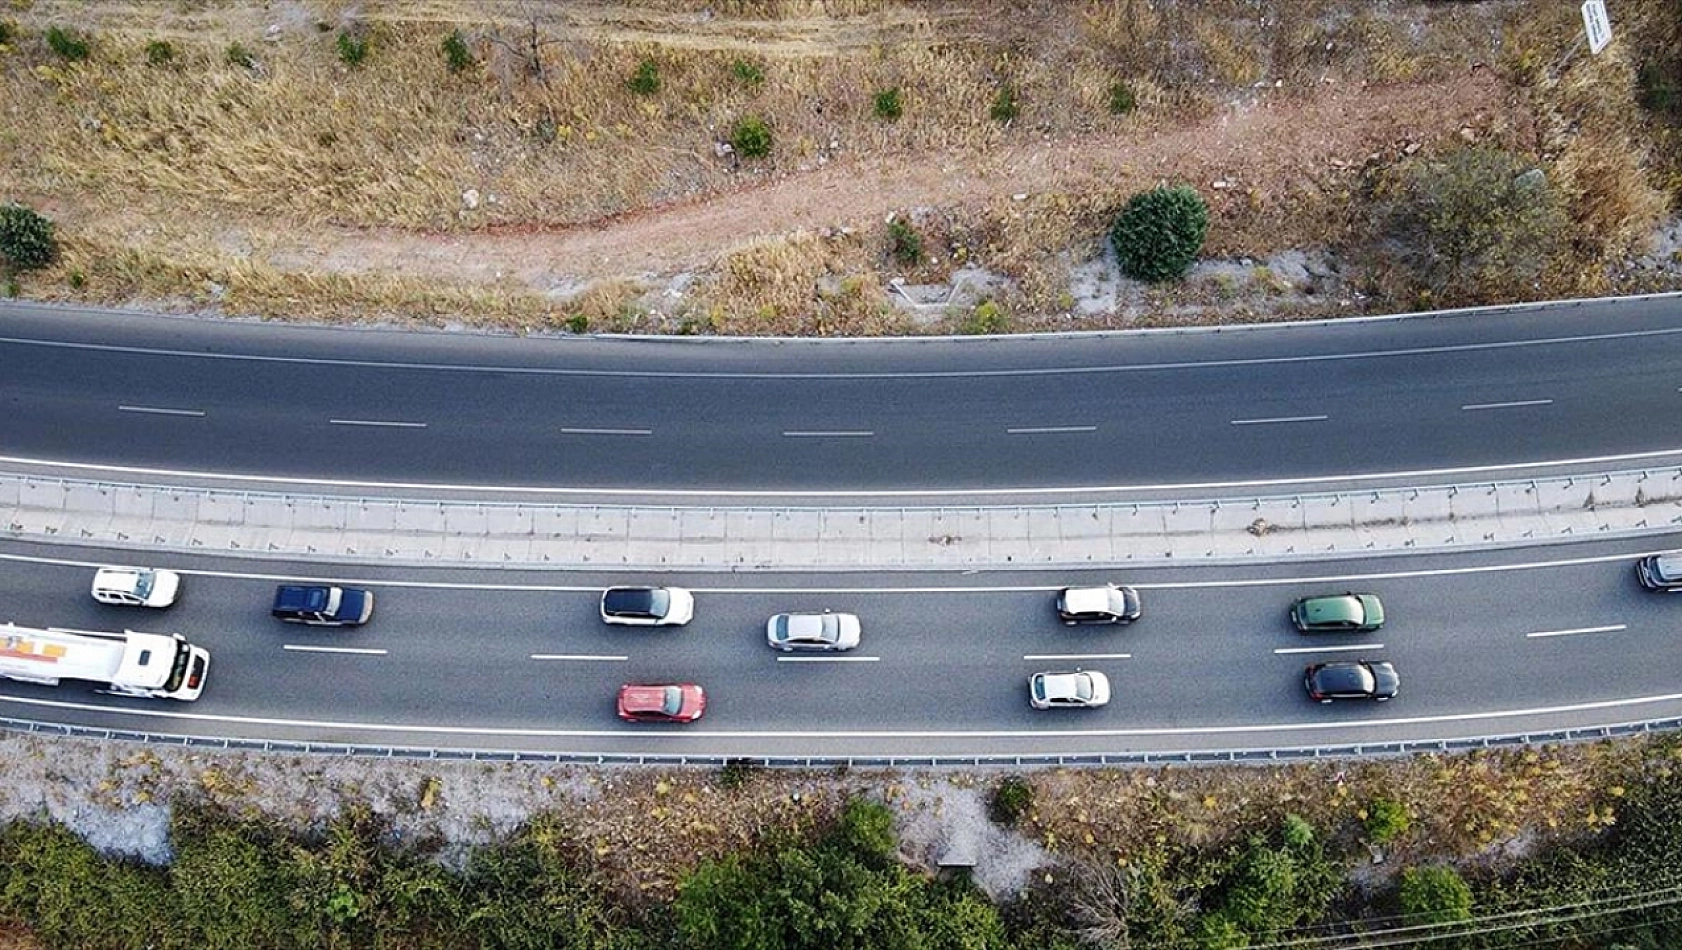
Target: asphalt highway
1486,643
186,395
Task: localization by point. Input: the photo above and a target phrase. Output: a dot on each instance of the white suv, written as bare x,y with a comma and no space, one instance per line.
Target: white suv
136,586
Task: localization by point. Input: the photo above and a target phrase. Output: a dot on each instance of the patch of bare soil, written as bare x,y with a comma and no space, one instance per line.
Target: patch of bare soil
1239,157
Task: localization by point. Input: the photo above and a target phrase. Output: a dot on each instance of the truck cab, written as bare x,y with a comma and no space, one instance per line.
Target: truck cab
321,605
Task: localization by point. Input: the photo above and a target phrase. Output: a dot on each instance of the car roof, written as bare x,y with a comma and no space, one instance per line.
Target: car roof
1065,685
1668,566
1344,676
1334,608
621,600
1088,600
124,579
644,698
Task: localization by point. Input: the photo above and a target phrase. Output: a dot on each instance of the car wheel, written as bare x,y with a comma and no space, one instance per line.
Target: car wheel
1384,699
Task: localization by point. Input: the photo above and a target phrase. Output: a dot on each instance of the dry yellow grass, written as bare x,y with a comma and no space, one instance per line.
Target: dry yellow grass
301,140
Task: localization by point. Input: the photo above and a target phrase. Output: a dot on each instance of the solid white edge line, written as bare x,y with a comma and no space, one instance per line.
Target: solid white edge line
1344,648
1507,405
577,656
1078,656
848,493
1258,422
828,659
151,410
1612,628
976,589
1315,725
377,424
301,648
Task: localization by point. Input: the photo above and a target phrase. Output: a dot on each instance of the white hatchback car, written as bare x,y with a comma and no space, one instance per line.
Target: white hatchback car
1079,689
136,586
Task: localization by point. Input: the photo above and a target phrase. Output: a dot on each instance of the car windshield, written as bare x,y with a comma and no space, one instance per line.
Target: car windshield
143,582
673,700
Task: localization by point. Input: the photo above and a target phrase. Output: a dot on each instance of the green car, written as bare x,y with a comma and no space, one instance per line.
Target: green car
1338,613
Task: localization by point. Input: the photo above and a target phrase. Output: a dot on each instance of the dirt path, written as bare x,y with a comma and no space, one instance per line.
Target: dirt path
1254,146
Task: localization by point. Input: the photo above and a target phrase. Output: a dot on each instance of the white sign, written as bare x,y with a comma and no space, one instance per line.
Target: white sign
1597,23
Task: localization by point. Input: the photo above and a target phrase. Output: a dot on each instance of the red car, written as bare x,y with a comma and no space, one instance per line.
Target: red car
660,702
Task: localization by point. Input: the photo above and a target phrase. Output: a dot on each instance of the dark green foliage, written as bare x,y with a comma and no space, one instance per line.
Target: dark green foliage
72,897
838,893
1386,820
1122,100
78,280
1270,887
1656,87
887,104
1471,224
13,288
1159,233
1435,895
904,243
456,53
238,55
751,138
26,239
646,80
68,44
8,32
1005,107
160,53
353,48
736,772
1011,800
747,73
534,892
578,323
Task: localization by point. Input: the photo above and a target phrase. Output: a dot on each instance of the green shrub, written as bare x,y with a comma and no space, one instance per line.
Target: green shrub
160,53
238,55
646,80
737,772
1435,895
456,53
987,317
353,49
1470,225
904,243
1011,800
751,138
888,105
13,288
578,323
867,830
7,32
1005,107
78,280
26,238
747,73
1159,233
68,44
1386,820
1122,100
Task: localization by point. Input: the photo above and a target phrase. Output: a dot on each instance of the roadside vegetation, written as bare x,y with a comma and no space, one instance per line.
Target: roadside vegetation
1566,847
318,161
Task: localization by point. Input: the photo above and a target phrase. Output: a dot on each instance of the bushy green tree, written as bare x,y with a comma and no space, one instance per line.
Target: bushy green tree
1435,895
456,52
1160,232
26,238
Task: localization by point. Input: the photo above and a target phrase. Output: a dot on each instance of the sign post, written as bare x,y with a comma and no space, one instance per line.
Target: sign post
1597,24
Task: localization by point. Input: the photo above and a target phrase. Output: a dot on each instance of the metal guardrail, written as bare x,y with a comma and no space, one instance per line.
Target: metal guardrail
1097,759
